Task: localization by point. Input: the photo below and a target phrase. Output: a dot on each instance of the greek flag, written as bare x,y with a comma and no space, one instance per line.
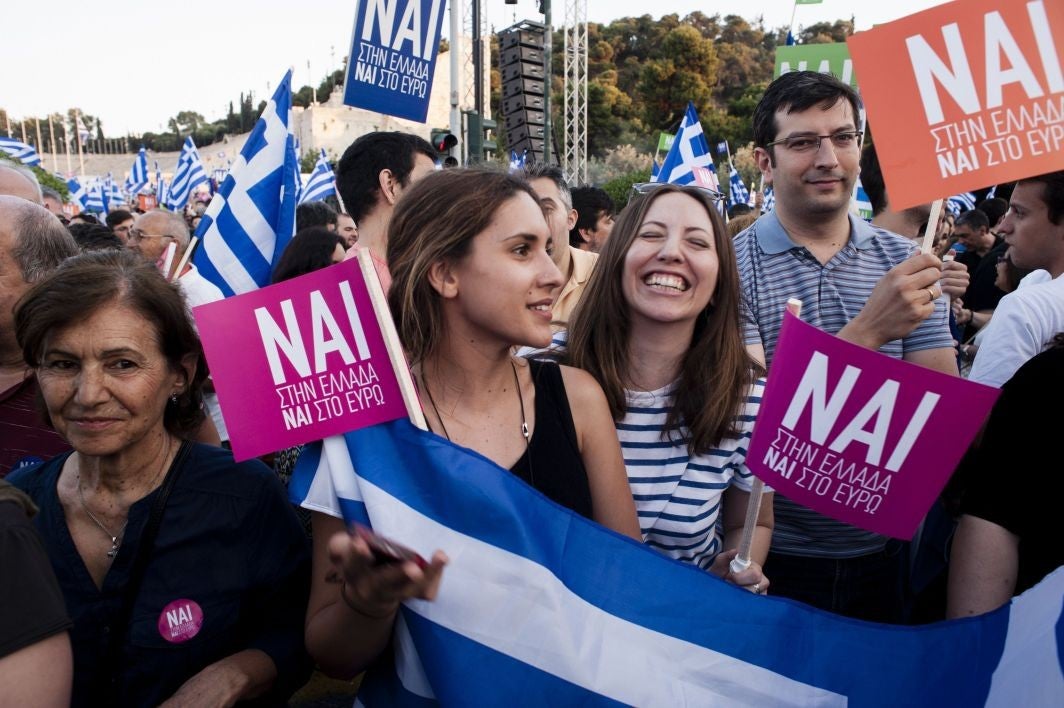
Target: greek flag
517,162
322,182
95,200
188,175
688,151
722,148
539,606
960,202
138,176
769,202
113,194
737,191
252,217
78,194
655,170
26,154
861,201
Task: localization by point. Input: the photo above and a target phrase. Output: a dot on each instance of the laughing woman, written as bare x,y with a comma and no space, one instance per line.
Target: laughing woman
472,279
658,328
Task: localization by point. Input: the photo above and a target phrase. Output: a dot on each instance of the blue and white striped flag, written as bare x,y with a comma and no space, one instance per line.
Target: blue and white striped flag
188,175
737,191
322,182
96,200
689,150
78,194
769,202
138,176
113,194
252,217
539,606
961,202
655,170
26,154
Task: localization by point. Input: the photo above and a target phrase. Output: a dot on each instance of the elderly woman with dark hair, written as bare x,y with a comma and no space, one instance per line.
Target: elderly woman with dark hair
153,537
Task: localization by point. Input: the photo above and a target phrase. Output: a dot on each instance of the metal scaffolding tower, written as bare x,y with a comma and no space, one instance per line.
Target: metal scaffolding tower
574,160
475,73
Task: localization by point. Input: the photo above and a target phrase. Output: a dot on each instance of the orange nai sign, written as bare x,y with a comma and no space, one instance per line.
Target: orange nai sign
964,95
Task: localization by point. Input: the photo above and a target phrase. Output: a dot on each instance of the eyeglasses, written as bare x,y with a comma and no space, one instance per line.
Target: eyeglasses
138,235
648,187
811,143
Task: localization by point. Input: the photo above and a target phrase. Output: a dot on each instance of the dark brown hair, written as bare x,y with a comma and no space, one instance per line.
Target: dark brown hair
85,283
715,374
436,220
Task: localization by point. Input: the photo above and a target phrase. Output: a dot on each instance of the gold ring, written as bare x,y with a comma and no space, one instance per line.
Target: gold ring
931,292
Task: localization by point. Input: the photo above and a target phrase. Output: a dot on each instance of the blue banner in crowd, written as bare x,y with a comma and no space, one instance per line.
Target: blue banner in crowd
540,606
393,56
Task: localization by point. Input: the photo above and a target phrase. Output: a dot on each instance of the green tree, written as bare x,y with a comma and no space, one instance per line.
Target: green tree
685,71
186,122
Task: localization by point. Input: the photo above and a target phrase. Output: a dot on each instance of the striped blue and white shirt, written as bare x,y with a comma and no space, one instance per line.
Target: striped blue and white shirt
773,268
678,496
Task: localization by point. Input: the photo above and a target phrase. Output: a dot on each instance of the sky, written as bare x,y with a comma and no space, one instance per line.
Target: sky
135,68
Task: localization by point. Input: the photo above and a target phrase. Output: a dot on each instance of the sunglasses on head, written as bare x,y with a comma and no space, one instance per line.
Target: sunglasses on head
649,187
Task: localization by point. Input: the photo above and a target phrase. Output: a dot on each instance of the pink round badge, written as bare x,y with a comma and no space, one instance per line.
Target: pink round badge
180,621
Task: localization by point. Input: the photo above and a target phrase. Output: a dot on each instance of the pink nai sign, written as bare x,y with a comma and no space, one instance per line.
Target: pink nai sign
859,436
299,361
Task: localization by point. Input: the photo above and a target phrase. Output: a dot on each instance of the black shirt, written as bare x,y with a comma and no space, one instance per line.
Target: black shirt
31,606
1015,478
229,545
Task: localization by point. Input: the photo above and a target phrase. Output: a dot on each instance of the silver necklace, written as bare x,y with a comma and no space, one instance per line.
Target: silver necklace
116,538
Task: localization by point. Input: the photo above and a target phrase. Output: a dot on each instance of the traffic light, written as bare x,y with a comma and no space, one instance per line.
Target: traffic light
443,140
480,136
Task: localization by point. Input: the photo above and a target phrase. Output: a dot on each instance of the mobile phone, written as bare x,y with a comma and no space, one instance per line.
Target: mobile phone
386,551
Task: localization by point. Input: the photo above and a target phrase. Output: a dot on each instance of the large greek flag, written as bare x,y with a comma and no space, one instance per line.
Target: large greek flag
138,176
188,175
26,154
539,606
689,150
322,181
252,216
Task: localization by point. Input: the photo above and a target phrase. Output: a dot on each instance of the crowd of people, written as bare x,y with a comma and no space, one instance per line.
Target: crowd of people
612,359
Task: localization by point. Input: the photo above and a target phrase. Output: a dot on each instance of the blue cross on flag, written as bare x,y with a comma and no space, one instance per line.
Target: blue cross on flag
252,216
322,181
188,175
689,150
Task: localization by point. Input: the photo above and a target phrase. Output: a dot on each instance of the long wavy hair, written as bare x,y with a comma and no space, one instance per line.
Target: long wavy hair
716,372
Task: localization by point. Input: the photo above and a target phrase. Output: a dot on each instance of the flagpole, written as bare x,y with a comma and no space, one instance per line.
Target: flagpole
932,227
40,147
51,133
66,144
790,28
77,132
22,124
391,339
741,561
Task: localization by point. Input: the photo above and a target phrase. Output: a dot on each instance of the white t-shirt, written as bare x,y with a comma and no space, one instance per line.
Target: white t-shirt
1024,323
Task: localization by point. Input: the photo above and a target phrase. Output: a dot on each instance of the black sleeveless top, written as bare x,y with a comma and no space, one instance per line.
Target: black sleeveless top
552,463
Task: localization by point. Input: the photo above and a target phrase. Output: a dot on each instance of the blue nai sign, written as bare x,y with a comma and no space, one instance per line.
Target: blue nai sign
393,56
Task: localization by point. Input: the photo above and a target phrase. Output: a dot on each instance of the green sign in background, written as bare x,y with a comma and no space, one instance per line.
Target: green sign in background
825,58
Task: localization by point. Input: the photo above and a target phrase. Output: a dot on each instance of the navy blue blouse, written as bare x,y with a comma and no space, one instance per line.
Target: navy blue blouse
230,570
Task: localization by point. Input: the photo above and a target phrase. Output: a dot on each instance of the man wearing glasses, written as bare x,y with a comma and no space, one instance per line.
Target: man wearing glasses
860,282
150,237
